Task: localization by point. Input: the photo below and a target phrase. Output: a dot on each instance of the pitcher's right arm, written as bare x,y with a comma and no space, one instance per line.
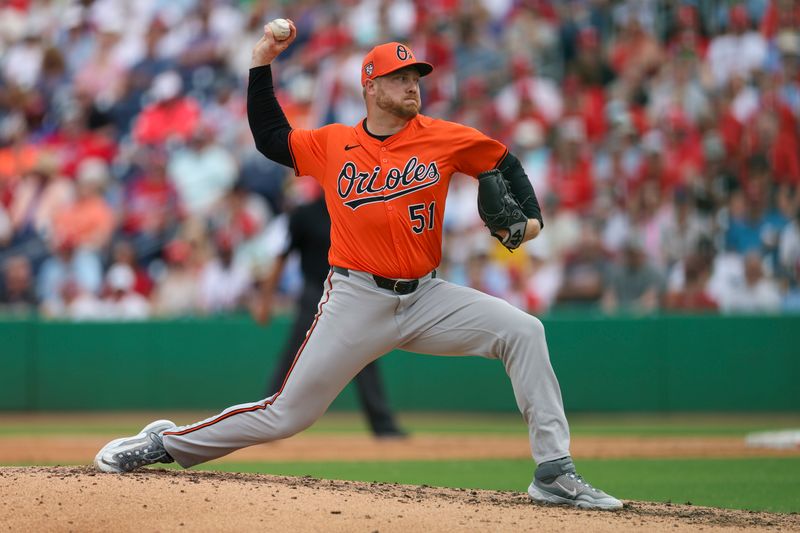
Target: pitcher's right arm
267,121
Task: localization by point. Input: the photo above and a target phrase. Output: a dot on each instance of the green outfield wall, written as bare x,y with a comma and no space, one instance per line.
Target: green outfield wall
603,364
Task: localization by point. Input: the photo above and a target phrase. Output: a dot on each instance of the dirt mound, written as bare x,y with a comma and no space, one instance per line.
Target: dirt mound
81,499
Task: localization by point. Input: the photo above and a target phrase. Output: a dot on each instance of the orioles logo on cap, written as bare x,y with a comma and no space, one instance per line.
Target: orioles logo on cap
402,52
369,68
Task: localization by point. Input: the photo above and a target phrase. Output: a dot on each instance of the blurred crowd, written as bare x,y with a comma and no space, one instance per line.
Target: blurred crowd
661,137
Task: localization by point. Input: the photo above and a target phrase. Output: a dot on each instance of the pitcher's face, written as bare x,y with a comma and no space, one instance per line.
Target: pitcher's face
398,93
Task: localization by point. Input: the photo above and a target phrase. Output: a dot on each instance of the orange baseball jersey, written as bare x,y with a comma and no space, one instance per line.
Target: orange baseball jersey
386,198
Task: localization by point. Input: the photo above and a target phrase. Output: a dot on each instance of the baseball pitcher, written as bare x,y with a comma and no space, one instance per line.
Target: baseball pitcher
385,182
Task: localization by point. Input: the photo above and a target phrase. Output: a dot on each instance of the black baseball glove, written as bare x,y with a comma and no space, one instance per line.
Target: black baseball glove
500,210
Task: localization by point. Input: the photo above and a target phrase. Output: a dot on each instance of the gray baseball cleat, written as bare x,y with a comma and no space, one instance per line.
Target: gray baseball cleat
130,453
556,482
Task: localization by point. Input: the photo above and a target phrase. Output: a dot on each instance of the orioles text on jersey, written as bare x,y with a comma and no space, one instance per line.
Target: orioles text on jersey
358,188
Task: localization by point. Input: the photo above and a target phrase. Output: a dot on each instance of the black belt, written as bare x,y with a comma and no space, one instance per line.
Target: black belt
400,286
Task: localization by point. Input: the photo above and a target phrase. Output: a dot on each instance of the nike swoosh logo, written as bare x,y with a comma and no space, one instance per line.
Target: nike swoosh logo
348,147
573,492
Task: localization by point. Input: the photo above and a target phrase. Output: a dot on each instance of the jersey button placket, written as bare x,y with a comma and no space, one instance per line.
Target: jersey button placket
389,207
385,160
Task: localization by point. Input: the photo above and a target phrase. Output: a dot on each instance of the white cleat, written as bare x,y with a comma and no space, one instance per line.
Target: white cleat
581,494
556,482
129,453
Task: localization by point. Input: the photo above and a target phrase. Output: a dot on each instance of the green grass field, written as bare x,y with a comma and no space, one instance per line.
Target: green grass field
768,484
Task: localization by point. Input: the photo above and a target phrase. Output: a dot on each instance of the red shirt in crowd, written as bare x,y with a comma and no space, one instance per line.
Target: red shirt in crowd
73,149
149,204
162,121
572,183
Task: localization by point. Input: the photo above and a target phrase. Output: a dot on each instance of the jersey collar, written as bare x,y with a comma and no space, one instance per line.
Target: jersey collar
363,136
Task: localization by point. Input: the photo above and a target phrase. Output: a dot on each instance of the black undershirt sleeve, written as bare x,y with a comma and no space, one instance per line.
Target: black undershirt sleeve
267,121
521,187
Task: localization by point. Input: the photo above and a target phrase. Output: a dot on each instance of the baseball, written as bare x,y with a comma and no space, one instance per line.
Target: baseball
280,29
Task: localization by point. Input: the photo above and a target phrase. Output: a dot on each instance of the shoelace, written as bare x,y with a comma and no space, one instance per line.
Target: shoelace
579,479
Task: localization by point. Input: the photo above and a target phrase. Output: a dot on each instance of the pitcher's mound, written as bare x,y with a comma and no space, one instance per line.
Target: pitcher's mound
81,499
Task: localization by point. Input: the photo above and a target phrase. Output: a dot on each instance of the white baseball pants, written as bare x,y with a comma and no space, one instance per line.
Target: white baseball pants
357,322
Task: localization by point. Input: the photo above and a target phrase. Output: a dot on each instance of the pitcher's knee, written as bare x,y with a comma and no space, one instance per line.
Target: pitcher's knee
535,327
289,424
526,327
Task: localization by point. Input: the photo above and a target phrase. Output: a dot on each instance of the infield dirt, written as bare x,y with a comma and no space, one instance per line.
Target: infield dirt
81,499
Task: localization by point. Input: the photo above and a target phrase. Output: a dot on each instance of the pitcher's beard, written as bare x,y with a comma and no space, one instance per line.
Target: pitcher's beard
405,110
